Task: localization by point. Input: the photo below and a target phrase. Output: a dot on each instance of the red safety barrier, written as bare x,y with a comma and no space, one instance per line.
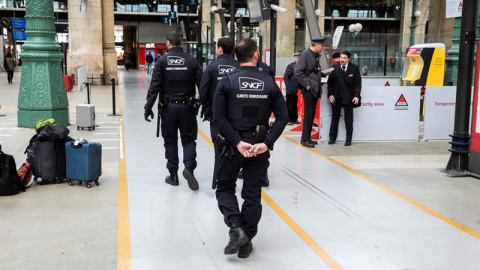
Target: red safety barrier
300,109
301,112
68,82
281,85
316,120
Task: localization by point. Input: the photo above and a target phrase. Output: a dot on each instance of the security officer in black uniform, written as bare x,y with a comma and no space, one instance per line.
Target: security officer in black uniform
173,81
267,69
308,75
212,75
242,105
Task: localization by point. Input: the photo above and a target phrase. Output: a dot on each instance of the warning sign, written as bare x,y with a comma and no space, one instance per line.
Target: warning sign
401,103
453,8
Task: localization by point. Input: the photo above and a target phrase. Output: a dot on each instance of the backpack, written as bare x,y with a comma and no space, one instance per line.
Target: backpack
43,123
9,181
25,173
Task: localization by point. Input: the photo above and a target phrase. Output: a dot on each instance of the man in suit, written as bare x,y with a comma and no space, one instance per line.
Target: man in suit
344,87
308,75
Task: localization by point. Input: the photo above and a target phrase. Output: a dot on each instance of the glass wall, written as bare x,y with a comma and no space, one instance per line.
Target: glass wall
364,8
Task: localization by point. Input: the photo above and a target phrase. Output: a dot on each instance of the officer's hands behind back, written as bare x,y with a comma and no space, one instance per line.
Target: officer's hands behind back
147,114
258,148
244,149
247,150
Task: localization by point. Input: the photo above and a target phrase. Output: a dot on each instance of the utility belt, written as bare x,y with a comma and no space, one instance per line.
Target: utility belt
259,133
183,102
191,102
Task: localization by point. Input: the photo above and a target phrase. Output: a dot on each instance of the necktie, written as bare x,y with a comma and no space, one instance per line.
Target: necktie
343,69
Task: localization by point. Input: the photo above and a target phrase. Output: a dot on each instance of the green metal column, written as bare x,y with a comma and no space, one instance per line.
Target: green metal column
42,90
451,59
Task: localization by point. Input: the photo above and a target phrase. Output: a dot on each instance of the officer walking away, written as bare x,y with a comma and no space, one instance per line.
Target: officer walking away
242,105
127,61
173,82
267,69
344,87
149,60
9,65
307,72
291,84
212,75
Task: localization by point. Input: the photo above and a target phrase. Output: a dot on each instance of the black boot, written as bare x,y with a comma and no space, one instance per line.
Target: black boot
172,179
238,238
245,250
192,182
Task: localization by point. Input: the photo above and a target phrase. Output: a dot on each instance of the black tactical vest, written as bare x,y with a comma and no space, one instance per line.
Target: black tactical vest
250,98
225,64
178,80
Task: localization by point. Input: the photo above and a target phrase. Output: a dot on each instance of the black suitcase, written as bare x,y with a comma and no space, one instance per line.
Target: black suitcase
50,162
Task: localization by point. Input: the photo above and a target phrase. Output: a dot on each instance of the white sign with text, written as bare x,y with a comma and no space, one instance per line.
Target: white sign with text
439,119
387,114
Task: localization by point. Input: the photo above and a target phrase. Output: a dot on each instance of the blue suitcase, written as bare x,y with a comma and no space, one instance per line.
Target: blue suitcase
84,162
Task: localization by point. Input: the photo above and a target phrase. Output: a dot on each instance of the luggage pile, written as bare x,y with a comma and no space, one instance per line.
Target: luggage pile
46,152
52,157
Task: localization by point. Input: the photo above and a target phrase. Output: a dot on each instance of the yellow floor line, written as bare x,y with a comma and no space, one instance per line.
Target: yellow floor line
393,192
306,238
124,244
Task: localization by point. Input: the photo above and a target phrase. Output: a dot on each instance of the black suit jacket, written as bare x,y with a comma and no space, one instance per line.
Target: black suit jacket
349,83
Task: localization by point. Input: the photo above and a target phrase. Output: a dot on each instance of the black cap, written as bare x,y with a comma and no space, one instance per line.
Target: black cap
296,54
335,55
318,40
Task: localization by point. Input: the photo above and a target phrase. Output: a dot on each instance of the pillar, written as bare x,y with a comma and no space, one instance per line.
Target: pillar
109,53
86,37
42,92
286,30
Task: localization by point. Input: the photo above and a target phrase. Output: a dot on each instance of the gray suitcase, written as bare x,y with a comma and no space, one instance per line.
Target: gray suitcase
85,116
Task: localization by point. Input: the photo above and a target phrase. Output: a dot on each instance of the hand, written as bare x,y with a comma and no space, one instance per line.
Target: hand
244,149
148,112
206,113
258,148
307,88
355,100
331,99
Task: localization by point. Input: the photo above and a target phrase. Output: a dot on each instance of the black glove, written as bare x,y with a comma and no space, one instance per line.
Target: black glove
206,113
148,112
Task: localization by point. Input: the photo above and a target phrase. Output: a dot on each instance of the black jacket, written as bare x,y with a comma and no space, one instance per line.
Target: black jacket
149,58
291,83
174,77
307,72
213,74
246,98
267,69
347,85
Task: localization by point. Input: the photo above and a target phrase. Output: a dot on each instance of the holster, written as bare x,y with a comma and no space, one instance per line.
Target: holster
194,103
261,133
225,148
